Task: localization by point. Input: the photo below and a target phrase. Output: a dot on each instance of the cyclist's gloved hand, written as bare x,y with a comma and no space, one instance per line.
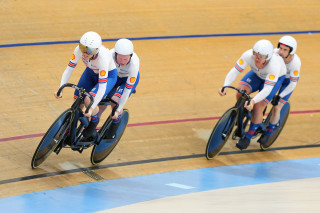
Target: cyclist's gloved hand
275,100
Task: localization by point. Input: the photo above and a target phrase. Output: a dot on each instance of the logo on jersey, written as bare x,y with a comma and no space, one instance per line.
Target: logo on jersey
132,79
240,61
271,77
296,72
73,57
102,72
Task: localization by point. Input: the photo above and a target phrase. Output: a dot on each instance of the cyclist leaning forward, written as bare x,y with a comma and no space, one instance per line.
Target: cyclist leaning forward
266,75
127,63
99,77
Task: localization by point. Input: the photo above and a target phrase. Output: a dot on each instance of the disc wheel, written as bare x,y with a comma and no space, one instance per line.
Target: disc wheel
106,146
284,114
51,139
221,133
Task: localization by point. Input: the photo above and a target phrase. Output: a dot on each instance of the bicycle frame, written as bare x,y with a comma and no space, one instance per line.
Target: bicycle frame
76,132
66,131
77,115
224,127
238,115
242,112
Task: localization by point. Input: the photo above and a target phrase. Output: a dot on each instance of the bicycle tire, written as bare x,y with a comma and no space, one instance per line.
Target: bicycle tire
105,147
284,114
51,139
224,126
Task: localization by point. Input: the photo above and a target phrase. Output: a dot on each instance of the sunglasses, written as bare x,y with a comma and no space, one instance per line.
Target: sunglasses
88,50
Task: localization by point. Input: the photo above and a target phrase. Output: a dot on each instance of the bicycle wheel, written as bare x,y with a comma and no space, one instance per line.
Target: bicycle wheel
106,146
221,133
284,114
51,139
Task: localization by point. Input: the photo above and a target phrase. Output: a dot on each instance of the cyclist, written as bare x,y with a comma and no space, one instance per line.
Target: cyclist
267,73
287,47
99,77
127,63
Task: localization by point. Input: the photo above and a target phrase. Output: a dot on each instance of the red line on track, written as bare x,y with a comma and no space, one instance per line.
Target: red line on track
149,124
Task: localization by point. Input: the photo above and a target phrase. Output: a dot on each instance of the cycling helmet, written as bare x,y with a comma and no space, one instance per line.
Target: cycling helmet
124,47
264,47
90,43
290,42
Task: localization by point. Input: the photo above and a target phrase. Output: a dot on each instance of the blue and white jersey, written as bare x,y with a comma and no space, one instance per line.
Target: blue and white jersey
270,73
101,64
293,73
129,71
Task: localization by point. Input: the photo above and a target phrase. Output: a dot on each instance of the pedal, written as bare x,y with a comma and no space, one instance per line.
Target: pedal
80,150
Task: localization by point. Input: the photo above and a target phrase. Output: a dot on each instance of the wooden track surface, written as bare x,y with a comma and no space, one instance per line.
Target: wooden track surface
179,80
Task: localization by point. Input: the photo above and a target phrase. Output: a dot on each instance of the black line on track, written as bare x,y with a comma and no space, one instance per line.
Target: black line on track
88,169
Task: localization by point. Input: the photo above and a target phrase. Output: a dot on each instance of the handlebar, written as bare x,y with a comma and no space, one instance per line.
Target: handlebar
81,91
242,92
108,99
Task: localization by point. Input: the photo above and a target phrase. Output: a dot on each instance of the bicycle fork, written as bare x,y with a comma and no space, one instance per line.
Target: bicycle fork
242,121
229,125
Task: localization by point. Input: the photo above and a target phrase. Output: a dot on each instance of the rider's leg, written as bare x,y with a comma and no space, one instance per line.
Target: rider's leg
121,92
87,81
113,83
94,121
115,122
103,105
112,78
244,142
102,108
256,120
276,112
275,118
252,83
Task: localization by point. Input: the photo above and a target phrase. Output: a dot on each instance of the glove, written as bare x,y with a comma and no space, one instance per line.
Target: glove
276,100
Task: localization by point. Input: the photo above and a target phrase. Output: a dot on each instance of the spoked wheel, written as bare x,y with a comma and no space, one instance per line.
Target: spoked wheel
106,146
51,139
284,114
221,133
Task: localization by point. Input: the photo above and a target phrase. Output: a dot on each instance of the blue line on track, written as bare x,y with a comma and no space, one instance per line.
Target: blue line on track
310,32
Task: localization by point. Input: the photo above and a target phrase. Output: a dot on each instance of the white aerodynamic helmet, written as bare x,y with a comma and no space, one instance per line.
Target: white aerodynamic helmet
124,47
90,43
290,42
264,47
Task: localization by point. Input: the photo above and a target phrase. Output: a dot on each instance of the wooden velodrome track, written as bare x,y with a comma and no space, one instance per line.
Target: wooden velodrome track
176,104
